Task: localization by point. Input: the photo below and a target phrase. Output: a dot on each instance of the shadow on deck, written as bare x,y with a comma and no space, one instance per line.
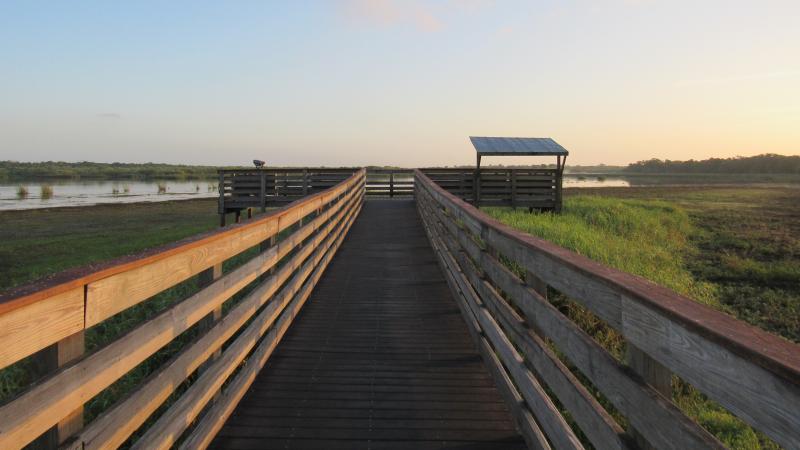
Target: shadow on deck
379,357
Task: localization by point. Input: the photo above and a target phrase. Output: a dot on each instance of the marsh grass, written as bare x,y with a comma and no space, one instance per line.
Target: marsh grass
22,192
645,238
654,239
46,191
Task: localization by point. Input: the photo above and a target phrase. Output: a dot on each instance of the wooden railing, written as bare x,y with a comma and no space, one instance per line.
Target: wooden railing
539,355
262,188
269,187
195,390
390,183
530,188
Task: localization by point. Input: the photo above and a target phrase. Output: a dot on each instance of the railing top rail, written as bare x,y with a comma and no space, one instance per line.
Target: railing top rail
290,169
486,169
773,353
73,278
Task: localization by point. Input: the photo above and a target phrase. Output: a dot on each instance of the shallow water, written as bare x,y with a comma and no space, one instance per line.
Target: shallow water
83,193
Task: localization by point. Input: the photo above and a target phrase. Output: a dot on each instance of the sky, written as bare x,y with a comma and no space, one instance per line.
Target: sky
391,82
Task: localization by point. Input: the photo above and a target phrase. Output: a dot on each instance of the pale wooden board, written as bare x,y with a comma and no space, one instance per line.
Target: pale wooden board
770,403
26,330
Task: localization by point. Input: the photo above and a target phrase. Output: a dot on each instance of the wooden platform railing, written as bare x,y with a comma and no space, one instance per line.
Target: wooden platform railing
219,363
262,188
390,183
538,355
270,187
530,188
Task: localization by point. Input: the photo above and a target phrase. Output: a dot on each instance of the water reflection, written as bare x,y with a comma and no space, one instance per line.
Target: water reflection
82,193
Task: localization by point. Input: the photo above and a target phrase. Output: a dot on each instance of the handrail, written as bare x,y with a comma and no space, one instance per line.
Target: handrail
750,372
279,279
390,183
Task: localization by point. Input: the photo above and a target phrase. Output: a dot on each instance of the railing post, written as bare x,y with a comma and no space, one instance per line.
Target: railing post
477,188
558,181
221,207
263,190
205,278
512,175
391,184
305,182
49,360
654,374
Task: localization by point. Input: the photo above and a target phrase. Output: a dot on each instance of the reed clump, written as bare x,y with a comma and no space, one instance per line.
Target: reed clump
22,192
46,191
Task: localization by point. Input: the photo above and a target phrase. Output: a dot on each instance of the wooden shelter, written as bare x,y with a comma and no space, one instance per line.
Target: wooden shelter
537,187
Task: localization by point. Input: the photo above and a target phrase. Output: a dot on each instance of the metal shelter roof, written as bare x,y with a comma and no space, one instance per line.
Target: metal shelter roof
510,146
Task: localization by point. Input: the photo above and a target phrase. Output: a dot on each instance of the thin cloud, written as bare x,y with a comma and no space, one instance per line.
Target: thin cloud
109,115
740,78
420,15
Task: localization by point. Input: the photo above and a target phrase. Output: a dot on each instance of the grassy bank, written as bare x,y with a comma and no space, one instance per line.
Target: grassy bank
36,243
744,242
13,170
734,249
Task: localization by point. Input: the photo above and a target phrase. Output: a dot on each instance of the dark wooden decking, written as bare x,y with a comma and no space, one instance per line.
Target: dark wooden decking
379,357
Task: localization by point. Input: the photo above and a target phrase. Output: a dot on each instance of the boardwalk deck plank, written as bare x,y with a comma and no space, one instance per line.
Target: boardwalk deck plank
378,358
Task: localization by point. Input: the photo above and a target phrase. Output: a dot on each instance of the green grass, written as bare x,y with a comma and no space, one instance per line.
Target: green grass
646,238
734,249
36,243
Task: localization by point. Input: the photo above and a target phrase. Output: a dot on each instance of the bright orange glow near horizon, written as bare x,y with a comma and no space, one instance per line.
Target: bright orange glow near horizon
383,82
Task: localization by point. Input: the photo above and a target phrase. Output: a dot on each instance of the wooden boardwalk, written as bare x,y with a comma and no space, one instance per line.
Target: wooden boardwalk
379,357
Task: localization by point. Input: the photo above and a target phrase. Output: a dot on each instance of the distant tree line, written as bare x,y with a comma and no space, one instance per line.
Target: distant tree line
12,170
766,163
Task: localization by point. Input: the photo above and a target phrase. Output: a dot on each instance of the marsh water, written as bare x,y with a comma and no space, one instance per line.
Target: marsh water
94,192
84,192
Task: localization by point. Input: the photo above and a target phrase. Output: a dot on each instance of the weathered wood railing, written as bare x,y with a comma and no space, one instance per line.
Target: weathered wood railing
390,183
262,188
219,363
530,188
534,350
270,187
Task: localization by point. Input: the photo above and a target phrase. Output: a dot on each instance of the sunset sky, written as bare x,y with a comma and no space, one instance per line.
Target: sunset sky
396,82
